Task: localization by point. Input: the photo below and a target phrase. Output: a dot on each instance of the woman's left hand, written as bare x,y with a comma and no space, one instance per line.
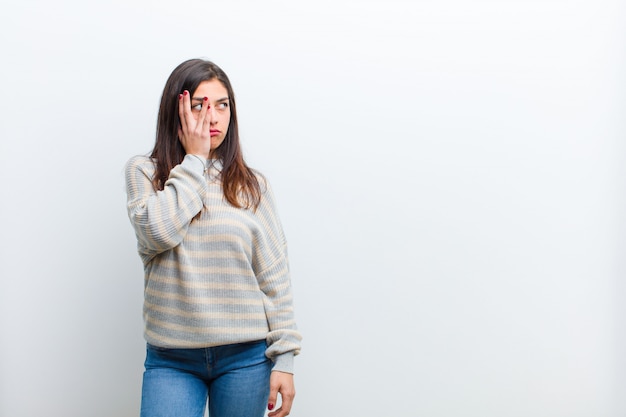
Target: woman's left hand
281,382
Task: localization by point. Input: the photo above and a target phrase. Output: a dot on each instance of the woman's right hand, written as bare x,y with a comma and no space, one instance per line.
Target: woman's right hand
194,132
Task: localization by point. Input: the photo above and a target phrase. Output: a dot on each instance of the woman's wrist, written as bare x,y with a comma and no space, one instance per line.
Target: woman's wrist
201,159
284,363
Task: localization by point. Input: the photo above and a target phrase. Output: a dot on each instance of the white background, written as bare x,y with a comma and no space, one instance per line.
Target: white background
450,175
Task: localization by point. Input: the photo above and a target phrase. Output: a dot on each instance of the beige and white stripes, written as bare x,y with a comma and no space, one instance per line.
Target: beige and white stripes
215,278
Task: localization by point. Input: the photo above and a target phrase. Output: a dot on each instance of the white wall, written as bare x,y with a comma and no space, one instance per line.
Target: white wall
450,176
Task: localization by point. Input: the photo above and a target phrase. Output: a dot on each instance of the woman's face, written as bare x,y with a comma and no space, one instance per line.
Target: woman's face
219,112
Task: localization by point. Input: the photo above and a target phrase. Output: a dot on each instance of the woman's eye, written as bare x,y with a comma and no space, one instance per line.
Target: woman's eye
222,105
197,107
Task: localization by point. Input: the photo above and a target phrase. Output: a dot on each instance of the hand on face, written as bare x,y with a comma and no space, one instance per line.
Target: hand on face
195,130
204,118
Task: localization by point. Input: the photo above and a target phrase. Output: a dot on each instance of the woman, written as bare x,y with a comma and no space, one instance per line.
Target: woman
218,314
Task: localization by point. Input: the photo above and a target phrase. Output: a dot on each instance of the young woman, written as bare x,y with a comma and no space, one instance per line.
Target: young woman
218,313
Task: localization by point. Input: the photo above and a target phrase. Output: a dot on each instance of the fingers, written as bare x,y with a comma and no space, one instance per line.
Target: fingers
285,407
271,402
188,122
204,121
194,131
281,383
181,112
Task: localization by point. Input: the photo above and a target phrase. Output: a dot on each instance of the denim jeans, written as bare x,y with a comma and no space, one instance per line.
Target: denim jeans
234,379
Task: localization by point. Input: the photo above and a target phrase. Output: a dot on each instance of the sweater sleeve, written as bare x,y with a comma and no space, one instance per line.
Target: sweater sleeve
274,280
161,218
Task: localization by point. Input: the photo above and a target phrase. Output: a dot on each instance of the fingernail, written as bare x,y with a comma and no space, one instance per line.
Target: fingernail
180,96
185,92
206,99
270,406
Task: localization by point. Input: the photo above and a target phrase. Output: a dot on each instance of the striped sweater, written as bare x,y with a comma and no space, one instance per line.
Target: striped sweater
214,274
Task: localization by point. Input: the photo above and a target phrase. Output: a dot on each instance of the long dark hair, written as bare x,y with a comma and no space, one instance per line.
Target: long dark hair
239,183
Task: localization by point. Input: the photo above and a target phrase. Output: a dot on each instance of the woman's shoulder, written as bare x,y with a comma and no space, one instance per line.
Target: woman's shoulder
141,162
264,184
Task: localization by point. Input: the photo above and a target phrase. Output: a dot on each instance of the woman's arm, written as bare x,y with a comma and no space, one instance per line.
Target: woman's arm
161,218
271,266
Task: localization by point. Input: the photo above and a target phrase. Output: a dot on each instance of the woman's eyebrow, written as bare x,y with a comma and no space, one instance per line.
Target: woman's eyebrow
202,98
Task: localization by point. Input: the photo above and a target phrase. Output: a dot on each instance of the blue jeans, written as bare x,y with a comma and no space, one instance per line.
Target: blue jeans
235,379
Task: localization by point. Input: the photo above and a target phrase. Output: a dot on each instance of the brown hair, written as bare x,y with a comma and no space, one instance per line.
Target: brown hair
239,182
